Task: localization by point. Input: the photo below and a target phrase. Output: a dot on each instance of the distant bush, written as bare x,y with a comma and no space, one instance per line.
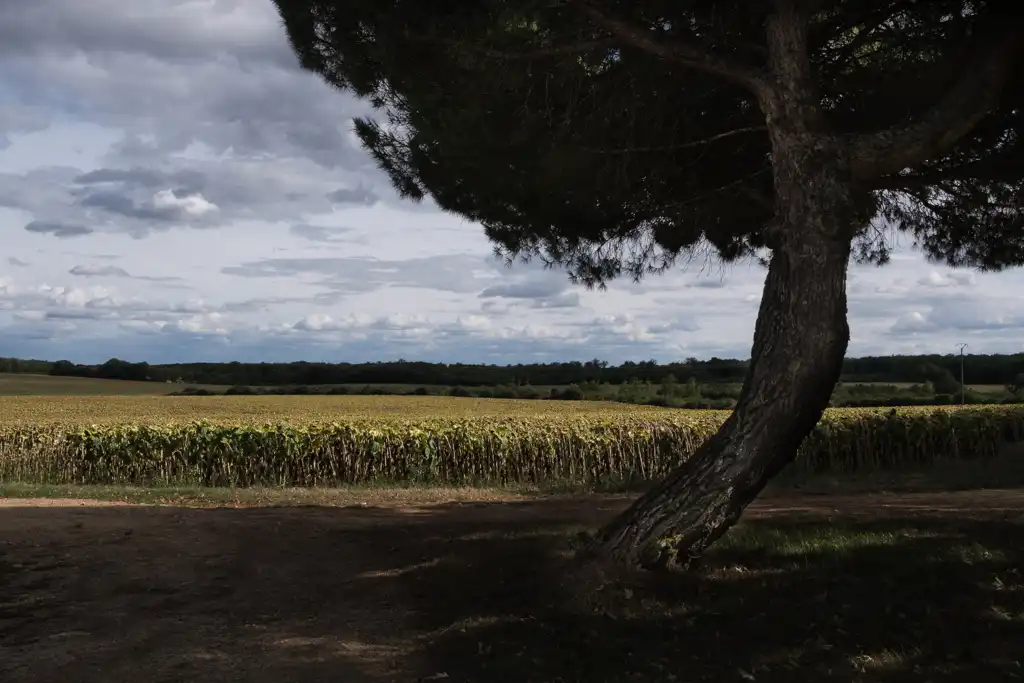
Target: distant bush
194,391
570,393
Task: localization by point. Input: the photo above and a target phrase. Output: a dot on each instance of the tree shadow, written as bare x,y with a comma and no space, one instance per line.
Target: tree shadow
478,593
884,600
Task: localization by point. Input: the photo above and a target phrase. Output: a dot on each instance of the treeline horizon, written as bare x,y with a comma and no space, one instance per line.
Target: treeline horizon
991,369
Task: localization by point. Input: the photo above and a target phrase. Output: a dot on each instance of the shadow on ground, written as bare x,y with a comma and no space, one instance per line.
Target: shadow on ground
475,593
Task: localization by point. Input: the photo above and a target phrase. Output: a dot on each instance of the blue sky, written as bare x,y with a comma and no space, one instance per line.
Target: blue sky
173,188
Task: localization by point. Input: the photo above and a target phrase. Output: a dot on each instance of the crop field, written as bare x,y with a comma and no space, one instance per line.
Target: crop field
386,581
19,384
232,410
383,440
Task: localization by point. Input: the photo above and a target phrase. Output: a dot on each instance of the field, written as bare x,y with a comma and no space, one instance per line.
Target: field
18,384
429,541
396,441
84,410
27,384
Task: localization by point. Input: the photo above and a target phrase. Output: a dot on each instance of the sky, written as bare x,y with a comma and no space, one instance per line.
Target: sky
174,188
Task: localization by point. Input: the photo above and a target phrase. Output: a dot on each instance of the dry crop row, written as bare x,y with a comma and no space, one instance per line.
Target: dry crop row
234,410
560,447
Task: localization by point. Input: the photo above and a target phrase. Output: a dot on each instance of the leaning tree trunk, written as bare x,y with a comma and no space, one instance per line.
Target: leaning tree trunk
800,341
800,336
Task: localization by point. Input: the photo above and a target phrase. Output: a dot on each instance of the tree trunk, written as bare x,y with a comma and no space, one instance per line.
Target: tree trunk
800,341
799,345
800,336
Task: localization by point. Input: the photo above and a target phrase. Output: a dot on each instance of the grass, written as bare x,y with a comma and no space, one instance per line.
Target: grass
882,600
980,388
196,496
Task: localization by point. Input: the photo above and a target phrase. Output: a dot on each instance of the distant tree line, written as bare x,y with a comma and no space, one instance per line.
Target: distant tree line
669,393
942,371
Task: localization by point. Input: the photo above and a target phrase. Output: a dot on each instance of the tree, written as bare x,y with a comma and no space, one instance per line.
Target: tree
941,379
616,138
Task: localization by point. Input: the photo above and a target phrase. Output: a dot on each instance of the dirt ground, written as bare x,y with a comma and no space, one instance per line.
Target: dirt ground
93,592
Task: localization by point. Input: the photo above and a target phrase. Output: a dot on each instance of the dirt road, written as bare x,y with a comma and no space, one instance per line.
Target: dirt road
93,592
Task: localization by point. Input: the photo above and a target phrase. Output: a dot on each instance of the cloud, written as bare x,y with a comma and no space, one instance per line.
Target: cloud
952,279
187,205
18,118
452,273
223,209
562,300
116,272
99,271
709,283
914,321
59,230
163,205
357,195
962,315
319,233
527,289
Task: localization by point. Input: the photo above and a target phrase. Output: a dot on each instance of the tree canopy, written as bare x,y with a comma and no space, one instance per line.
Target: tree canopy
581,131
614,137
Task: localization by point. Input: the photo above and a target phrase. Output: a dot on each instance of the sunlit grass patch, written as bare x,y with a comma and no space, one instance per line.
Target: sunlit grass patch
812,540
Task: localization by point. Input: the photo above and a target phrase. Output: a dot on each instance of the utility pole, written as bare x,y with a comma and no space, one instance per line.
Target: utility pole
963,387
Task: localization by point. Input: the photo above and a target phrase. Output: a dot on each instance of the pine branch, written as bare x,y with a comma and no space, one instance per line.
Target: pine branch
992,169
692,56
683,145
514,55
976,92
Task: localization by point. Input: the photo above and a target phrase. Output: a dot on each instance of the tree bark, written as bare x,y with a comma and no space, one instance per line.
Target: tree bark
800,338
800,341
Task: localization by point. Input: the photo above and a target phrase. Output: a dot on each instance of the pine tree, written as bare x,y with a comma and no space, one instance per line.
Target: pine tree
614,137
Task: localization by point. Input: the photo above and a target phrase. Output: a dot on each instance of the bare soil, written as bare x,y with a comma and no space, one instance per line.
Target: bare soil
107,592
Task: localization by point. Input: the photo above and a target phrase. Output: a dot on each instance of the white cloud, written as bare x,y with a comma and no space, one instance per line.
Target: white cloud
192,205
172,187
951,279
